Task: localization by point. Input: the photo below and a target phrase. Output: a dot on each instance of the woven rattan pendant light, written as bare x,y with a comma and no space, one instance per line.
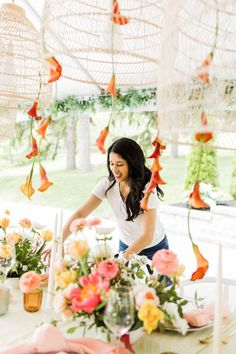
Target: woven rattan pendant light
23,72
193,81
89,47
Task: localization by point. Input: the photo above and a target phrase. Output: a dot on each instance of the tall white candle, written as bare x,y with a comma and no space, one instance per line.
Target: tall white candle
60,236
51,280
217,332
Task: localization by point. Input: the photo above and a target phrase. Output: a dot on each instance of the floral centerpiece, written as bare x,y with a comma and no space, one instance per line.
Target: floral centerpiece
83,283
29,240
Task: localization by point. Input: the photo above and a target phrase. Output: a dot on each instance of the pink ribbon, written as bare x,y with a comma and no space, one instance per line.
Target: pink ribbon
48,339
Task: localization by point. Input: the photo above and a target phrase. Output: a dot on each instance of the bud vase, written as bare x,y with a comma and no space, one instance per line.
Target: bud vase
33,300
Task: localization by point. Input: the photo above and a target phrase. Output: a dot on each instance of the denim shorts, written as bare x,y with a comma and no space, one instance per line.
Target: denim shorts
148,252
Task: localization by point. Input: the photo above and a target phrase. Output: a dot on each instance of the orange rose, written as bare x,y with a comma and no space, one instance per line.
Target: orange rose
4,223
29,282
77,249
13,237
26,223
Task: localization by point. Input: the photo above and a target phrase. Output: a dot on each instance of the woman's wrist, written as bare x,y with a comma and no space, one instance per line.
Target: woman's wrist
128,255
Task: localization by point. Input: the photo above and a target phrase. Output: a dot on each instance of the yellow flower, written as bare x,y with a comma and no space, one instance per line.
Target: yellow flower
65,278
4,223
77,249
47,235
7,212
180,270
6,251
150,315
13,237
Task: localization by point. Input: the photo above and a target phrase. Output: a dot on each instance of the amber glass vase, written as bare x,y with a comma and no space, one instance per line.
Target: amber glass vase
33,300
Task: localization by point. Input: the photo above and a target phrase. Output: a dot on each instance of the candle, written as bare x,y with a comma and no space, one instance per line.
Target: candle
60,236
217,332
51,282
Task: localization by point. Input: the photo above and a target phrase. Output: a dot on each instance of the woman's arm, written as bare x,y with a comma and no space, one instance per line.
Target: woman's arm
148,228
87,208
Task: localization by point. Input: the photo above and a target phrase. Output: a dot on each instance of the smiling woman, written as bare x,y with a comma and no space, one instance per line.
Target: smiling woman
139,232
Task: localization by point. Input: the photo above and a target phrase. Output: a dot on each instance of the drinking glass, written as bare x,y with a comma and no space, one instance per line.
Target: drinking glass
7,257
33,300
119,313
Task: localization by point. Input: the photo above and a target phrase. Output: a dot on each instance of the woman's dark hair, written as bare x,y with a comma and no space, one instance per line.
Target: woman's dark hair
139,174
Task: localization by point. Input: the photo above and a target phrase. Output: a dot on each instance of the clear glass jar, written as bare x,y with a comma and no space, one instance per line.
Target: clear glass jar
4,300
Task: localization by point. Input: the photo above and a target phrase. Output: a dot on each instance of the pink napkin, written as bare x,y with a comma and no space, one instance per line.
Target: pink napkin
48,339
203,316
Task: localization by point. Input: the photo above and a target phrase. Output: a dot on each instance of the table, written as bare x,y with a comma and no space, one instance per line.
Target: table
18,325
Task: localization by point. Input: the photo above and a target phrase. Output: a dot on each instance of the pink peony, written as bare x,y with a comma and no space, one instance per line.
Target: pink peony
108,269
93,222
78,225
88,297
165,262
79,303
29,282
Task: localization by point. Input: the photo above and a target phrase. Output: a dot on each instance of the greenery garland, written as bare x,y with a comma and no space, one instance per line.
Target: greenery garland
129,99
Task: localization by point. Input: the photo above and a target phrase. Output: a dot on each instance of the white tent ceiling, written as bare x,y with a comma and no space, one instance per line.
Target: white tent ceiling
82,28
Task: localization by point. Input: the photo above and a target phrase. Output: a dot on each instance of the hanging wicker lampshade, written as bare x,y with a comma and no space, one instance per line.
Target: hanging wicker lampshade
90,46
197,70
23,72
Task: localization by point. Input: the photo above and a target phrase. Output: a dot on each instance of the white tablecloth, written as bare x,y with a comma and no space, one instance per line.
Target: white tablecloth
18,325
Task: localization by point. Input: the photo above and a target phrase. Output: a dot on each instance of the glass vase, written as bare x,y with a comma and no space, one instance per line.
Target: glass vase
4,300
33,300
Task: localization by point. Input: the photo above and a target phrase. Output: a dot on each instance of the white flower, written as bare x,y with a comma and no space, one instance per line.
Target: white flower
144,292
37,225
179,323
138,287
104,230
142,260
24,268
59,303
102,249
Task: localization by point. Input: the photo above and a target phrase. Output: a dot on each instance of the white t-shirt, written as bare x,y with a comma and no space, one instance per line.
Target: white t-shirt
129,231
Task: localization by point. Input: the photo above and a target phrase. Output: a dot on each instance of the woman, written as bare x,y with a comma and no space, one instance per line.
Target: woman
139,233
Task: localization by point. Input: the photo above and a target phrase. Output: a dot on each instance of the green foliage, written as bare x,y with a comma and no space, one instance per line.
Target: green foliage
27,258
18,146
29,243
70,104
144,124
206,172
233,184
129,99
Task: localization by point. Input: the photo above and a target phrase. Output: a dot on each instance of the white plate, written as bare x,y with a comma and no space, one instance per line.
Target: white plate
195,329
192,329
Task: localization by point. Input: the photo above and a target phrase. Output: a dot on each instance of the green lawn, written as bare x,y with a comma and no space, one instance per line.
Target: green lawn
71,188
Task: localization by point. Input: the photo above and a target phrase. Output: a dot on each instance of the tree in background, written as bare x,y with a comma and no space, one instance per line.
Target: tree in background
140,126
233,185
208,170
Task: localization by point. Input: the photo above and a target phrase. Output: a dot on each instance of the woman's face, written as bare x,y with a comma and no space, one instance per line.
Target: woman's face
119,167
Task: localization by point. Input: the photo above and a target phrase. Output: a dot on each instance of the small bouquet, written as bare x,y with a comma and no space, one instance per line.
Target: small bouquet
29,240
83,283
